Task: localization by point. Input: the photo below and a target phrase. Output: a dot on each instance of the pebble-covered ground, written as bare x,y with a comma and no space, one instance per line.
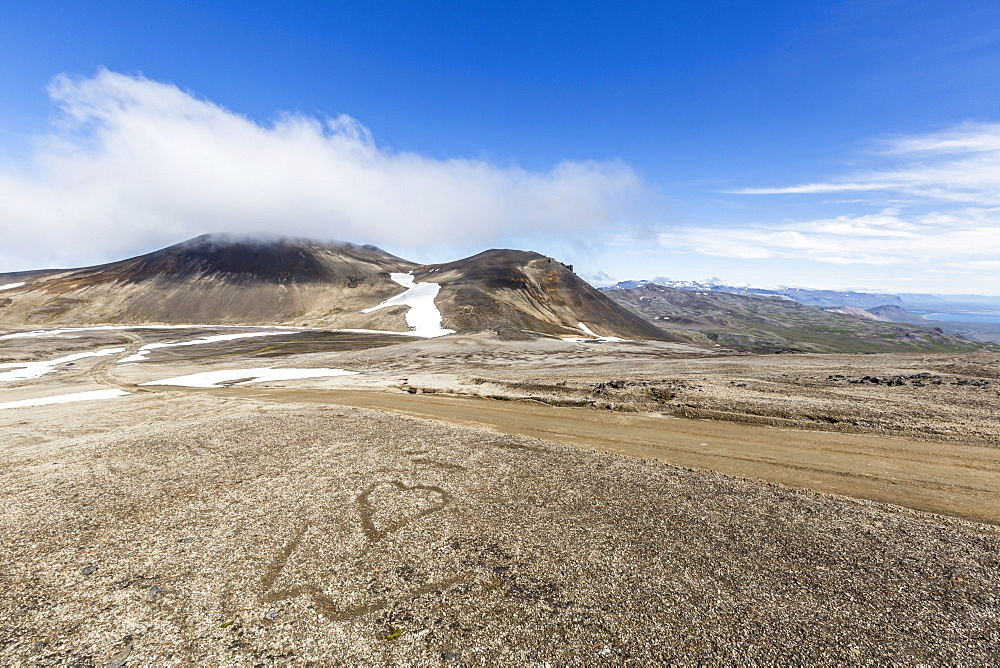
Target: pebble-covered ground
194,529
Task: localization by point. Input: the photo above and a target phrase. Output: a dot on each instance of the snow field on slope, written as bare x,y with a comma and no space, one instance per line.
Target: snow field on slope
423,318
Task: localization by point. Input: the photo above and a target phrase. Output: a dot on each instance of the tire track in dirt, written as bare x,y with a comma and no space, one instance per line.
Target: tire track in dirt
101,372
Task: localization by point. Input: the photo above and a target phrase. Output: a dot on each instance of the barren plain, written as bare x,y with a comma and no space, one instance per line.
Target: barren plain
495,497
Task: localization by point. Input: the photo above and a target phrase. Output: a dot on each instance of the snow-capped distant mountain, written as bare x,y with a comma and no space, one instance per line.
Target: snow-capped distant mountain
809,297
681,285
827,299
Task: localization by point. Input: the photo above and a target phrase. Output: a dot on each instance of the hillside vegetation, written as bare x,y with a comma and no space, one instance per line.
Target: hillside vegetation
774,324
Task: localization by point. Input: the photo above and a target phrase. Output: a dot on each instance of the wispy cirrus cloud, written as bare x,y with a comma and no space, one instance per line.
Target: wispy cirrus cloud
965,237
959,164
132,164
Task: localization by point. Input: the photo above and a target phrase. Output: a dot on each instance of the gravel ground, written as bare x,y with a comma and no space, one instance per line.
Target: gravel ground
253,533
949,397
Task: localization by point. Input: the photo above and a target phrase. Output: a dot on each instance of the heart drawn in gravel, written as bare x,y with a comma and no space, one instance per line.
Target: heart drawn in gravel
388,506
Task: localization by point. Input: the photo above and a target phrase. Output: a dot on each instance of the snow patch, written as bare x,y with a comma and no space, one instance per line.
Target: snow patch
247,376
424,318
11,286
69,330
141,354
594,337
26,370
65,398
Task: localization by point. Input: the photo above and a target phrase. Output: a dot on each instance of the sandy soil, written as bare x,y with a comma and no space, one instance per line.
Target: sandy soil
293,523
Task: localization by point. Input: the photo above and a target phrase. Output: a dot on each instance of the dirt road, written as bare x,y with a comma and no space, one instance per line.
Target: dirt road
101,371
946,478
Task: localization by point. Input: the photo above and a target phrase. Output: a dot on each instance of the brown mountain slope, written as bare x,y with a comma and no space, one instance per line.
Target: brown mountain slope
529,291
213,279
222,280
892,313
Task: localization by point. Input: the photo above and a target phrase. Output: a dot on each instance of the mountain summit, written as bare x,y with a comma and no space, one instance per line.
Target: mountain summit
257,260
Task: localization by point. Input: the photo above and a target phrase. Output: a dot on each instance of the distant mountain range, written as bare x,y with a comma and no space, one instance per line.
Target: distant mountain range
971,316
834,298
817,298
778,323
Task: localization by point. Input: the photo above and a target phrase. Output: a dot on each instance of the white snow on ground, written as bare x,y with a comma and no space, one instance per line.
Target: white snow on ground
587,330
247,376
11,286
141,354
25,370
68,330
65,398
424,318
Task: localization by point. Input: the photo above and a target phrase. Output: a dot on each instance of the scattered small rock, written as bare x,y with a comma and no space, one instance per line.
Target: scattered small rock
972,383
875,380
119,659
89,569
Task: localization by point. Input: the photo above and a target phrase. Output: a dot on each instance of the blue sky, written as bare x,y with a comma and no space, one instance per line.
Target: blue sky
827,144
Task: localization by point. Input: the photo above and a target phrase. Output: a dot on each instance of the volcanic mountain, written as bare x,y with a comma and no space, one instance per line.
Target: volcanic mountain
528,291
224,280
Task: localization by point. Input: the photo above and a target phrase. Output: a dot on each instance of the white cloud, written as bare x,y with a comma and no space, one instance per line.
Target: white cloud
959,164
810,189
133,164
966,237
